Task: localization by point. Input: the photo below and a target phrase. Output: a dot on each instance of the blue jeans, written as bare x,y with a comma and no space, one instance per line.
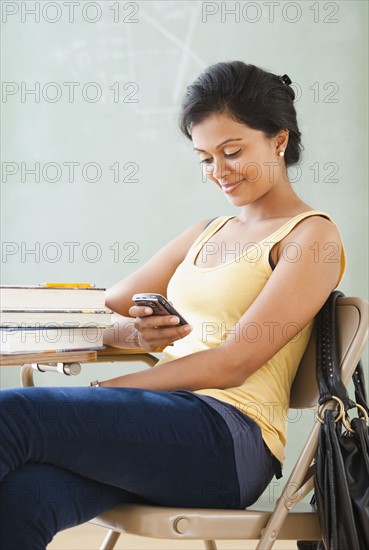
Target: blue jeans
68,454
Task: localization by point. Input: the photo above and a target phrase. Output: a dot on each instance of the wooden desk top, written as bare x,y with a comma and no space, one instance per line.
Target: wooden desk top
66,356
48,357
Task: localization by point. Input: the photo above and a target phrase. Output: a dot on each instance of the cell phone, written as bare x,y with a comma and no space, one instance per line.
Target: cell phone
158,304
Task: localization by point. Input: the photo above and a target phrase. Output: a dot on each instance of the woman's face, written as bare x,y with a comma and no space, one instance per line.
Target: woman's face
244,163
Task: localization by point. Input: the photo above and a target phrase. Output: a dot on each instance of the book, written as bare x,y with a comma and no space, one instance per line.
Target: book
52,297
38,339
24,318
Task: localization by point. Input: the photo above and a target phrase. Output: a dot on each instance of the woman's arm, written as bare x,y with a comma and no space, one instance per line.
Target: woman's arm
122,334
292,297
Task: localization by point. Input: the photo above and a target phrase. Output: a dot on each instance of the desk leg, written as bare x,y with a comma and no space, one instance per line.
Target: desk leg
69,369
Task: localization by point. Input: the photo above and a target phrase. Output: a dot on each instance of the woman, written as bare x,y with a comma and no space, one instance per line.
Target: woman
206,426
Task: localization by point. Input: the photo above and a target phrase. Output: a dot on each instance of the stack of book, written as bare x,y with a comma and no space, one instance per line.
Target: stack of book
52,316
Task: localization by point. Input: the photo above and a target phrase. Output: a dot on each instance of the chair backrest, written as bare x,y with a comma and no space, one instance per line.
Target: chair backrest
353,332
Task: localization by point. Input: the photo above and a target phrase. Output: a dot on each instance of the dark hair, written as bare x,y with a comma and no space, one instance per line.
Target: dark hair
249,95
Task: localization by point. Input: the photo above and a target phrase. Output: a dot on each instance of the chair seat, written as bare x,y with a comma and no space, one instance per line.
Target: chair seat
202,523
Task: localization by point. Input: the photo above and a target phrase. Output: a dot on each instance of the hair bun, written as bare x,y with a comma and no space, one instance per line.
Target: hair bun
285,79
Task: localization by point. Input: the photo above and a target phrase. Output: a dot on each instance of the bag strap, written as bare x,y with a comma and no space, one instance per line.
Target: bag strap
327,369
360,391
327,363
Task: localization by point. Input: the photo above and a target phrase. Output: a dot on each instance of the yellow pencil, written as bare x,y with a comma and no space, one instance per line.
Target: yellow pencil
67,285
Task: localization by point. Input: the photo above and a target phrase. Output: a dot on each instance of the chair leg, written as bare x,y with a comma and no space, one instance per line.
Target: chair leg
110,540
210,545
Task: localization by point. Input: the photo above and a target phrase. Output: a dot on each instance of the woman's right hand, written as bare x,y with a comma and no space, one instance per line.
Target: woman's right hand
156,331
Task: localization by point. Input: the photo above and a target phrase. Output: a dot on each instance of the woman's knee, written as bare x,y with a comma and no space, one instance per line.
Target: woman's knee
39,500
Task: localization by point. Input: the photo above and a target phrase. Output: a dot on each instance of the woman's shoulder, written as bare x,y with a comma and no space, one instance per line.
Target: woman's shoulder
183,242
193,235
199,227
178,247
314,221
304,218
317,236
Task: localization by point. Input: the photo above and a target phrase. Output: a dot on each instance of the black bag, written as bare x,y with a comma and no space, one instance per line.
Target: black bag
342,459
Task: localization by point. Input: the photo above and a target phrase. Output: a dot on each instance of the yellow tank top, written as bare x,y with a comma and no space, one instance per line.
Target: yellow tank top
213,299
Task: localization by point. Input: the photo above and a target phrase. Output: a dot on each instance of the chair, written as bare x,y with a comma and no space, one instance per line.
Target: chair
291,519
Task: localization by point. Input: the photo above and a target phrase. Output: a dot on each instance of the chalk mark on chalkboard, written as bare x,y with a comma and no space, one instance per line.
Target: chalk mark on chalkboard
184,47
130,52
178,86
172,38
